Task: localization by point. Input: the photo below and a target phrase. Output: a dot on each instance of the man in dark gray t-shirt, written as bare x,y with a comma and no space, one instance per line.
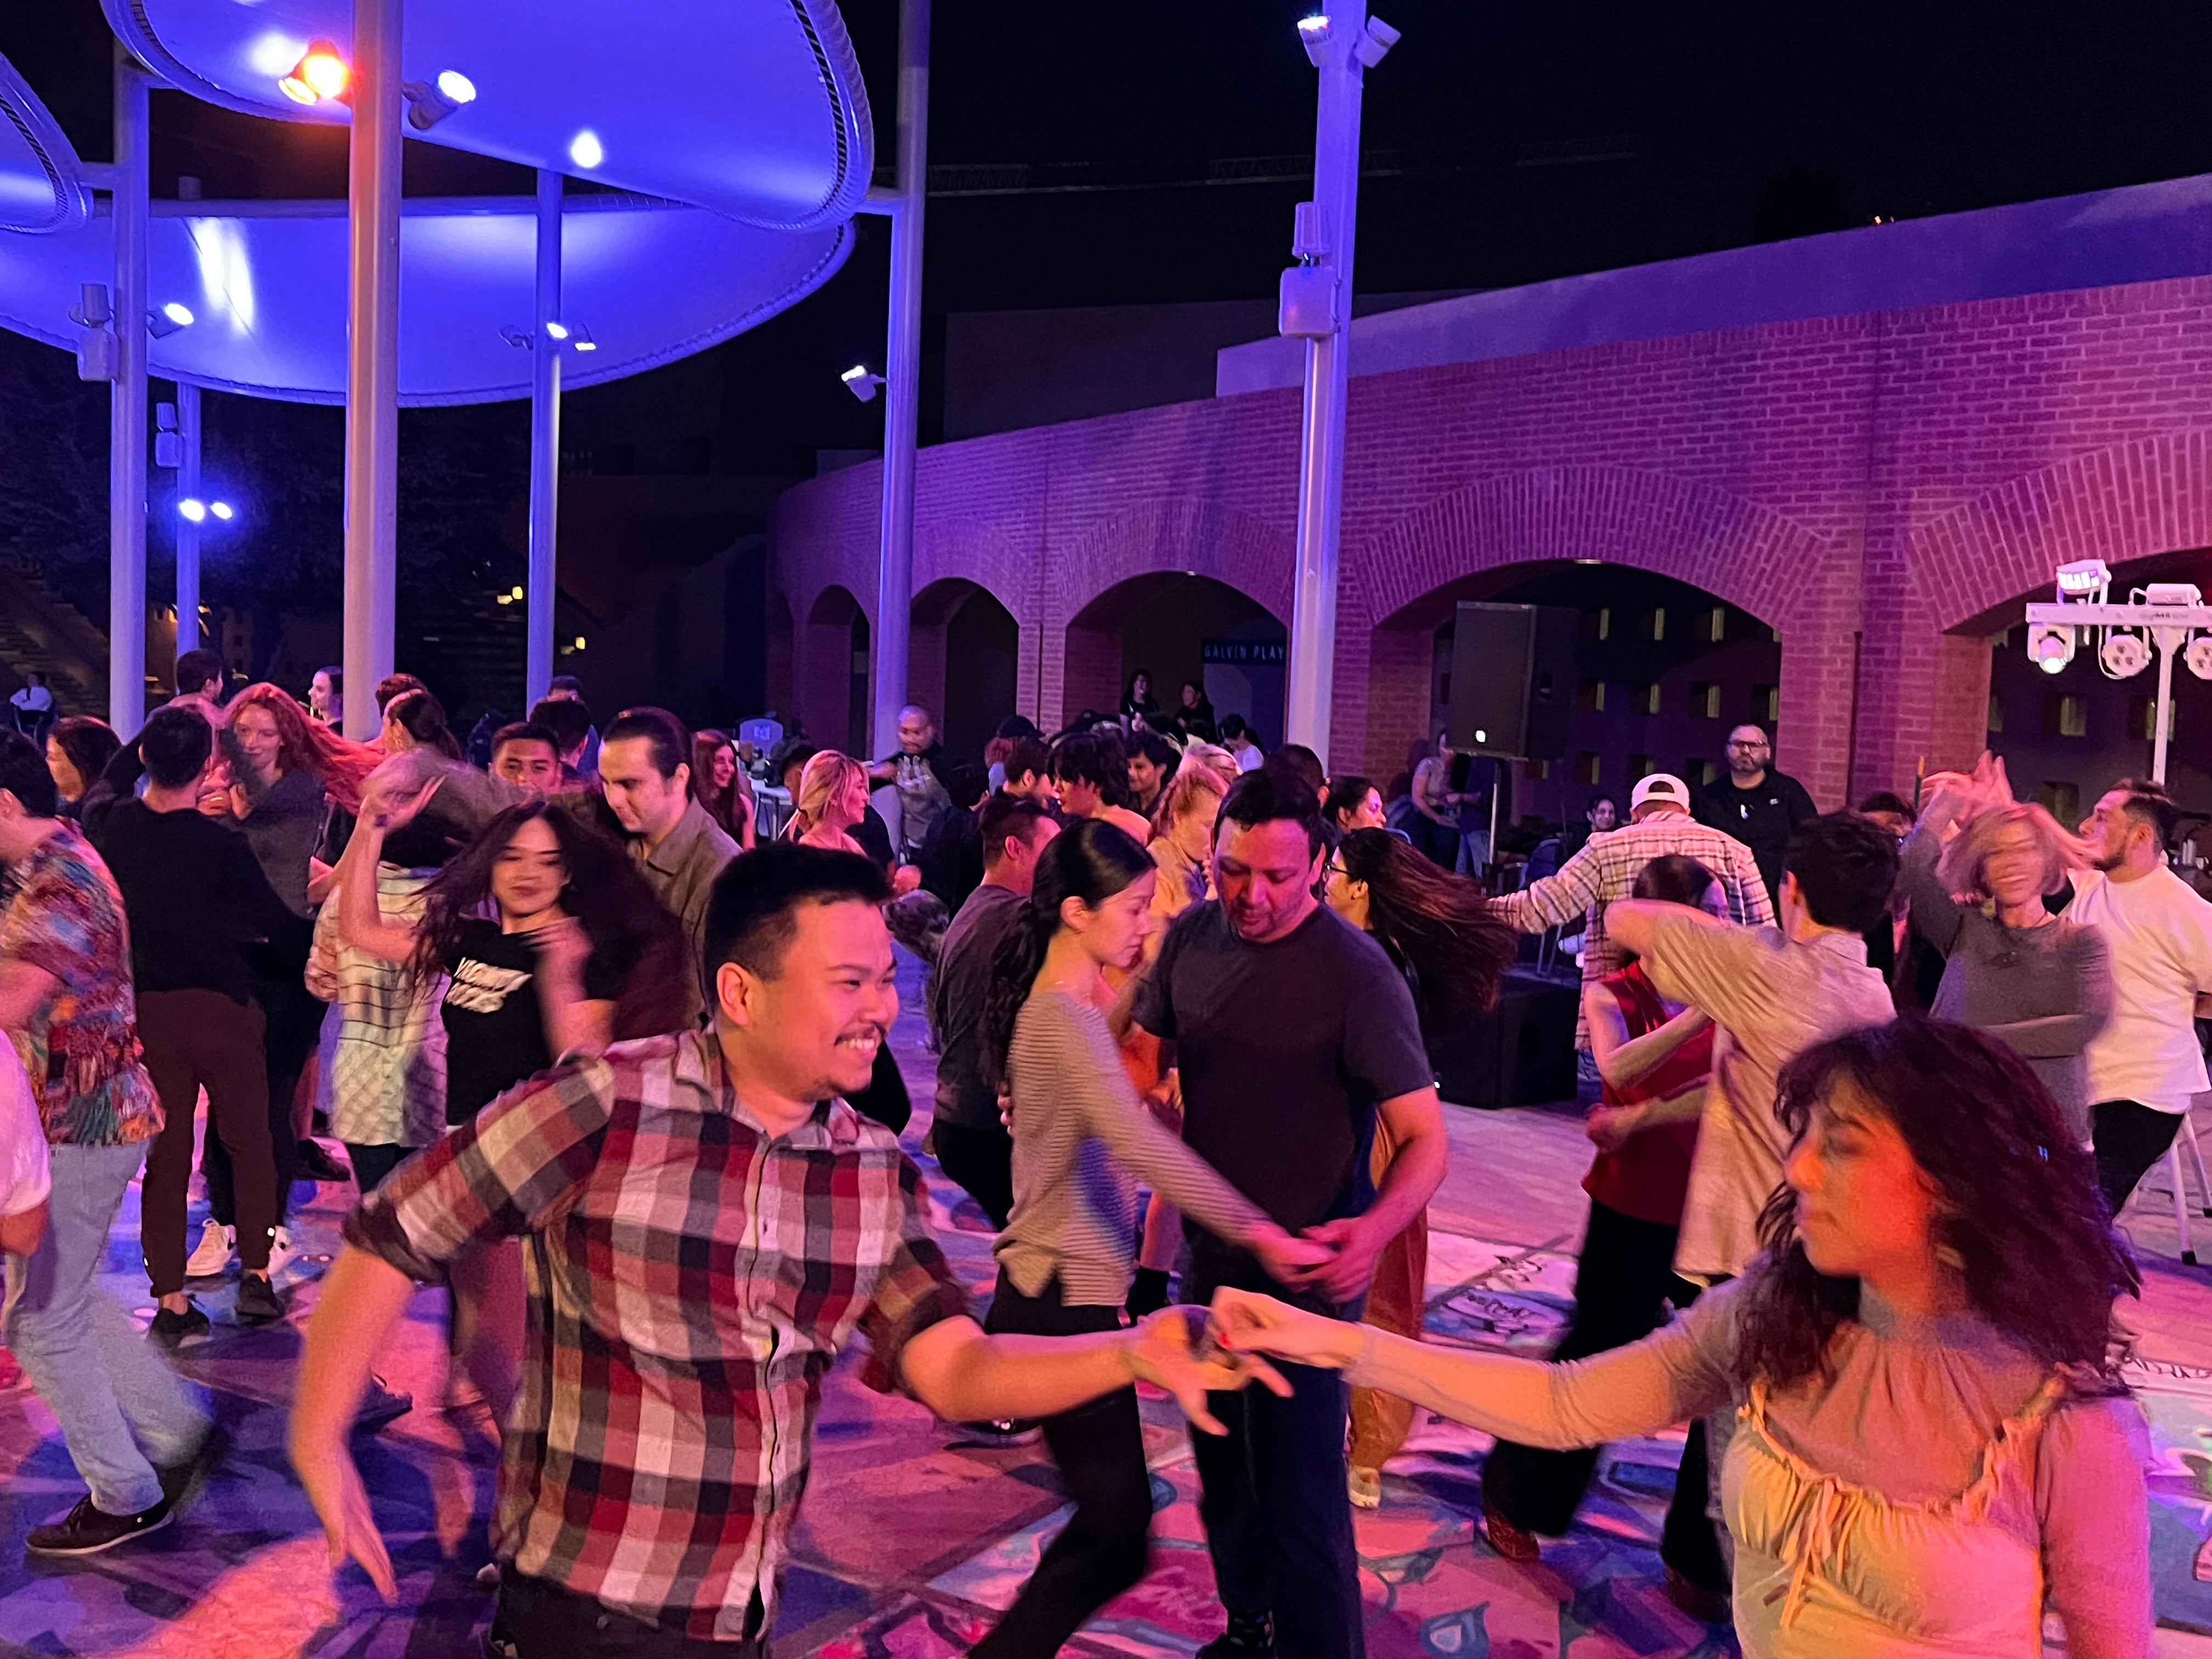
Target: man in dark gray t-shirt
972,1146
1293,1031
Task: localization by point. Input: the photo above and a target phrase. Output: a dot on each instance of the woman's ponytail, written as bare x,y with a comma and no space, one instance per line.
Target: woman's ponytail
1014,968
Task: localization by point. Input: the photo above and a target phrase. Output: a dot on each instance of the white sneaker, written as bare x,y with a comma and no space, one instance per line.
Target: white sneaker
281,1250
210,1257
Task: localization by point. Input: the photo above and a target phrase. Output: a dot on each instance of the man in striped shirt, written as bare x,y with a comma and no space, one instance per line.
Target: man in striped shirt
1606,869
706,1225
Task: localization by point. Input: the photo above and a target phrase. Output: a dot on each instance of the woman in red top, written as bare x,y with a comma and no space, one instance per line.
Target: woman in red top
1654,1057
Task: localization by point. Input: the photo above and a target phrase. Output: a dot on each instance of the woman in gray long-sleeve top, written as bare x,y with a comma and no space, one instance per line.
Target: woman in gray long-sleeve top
2040,983
1064,1258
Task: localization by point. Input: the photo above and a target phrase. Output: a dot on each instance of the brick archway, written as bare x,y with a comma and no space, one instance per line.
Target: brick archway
1750,556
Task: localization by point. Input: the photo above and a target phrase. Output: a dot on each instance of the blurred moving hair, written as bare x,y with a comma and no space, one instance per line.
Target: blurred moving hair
1845,866
175,743
1438,923
1888,800
1091,861
89,744
628,928
1193,789
1347,795
2020,1207
1959,866
422,717
308,745
753,914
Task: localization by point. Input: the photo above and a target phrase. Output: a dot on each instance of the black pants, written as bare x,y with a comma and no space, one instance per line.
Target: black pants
371,1164
1099,1449
980,1162
294,1023
2129,1138
539,1619
1278,1521
1623,1283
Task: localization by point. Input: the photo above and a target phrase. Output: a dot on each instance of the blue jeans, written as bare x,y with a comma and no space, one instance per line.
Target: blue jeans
122,1410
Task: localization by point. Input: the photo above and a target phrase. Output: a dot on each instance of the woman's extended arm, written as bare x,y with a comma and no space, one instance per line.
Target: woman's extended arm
361,922
1622,1058
1933,911
575,1022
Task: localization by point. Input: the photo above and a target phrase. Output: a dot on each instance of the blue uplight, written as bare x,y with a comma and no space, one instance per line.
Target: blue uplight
181,315
457,86
193,509
586,150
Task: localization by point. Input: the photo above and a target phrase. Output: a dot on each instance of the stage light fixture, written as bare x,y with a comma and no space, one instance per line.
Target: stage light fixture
2198,656
861,382
2050,646
1313,35
2123,655
167,321
557,331
192,507
429,102
2083,577
2172,593
221,510
579,339
321,74
1375,43
586,150
179,314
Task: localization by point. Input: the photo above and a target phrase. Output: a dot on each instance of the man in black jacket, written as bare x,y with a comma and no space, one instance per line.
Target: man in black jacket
1757,805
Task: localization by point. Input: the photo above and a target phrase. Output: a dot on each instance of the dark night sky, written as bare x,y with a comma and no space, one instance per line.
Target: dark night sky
1712,125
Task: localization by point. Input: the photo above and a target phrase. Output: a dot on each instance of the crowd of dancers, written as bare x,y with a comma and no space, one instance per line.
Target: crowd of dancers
610,1064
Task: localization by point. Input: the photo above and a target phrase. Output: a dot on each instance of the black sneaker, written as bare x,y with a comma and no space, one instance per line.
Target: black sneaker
317,1164
181,1483
1004,1432
173,1330
1245,1639
257,1301
85,1530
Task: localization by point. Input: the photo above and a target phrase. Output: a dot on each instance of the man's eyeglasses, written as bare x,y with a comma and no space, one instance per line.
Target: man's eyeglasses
1738,743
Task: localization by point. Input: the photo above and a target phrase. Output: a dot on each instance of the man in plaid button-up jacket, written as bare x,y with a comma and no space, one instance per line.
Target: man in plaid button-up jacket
706,1225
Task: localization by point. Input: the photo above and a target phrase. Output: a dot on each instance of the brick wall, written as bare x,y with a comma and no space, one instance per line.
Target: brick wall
1884,489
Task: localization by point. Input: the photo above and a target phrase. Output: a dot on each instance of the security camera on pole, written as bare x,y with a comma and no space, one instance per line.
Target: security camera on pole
2166,617
1343,43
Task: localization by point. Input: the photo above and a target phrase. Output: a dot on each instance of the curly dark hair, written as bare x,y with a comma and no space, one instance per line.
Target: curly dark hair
2021,1212
627,925
1438,922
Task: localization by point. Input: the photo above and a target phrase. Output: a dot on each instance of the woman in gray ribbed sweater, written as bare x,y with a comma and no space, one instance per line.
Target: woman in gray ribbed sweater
1080,1133
2039,983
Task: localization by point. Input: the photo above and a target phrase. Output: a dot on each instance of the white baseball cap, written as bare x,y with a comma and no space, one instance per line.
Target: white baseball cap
1661,787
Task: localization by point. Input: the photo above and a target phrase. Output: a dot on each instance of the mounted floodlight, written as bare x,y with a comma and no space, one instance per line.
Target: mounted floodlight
515,336
586,150
192,507
2172,593
2050,646
579,339
2199,656
429,102
2082,579
862,382
167,321
2123,656
222,510
1313,35
557,331
1375,45
320,75
181,315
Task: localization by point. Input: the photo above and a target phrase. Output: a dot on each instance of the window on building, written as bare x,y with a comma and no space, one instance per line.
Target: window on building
1717,624
1536,770
1996,713
1705,701
2065,715
2062,800
1777,634
1697,771
2143,719
1659,623
1589,697
1640,767
1596,624
1647,698
1605,621
1586,767
1766,704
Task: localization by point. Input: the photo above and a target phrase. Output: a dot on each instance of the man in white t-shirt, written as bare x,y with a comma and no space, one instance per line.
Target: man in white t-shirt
2145,1063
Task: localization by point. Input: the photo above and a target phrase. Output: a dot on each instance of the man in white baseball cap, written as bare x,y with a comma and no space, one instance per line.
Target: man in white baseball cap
1659,822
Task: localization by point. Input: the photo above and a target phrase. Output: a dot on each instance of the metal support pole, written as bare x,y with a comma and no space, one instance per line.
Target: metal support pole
127,410
1321,436
902,376
2170,640
372,433
188,533
544,444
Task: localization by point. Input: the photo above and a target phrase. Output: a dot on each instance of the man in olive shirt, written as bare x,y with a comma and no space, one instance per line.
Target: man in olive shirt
676,846
972,1144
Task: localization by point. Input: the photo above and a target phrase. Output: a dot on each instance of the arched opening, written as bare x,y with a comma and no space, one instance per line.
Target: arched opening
962,661
834,697
1662,670
2067,736
1179,627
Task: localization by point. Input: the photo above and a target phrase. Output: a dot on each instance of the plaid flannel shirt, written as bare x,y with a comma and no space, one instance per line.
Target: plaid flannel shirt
690,1280
1606,870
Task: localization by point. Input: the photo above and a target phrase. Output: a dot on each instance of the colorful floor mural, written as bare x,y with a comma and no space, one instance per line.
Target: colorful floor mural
911,1540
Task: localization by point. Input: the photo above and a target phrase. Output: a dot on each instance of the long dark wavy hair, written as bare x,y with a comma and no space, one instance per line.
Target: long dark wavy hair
1091,861
629,930
1438,922
2021,1217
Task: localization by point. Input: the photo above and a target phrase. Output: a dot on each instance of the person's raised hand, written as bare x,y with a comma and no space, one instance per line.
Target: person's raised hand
392,807
1610,1126
562,944
1289,1259
906,878
341,1503
1356,1245
1173,1349
1245,1323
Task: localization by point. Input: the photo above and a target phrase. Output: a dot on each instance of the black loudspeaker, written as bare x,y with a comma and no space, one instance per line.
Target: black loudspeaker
1512,680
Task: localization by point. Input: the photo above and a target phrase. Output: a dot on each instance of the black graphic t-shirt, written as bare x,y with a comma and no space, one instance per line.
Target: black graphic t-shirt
494,1028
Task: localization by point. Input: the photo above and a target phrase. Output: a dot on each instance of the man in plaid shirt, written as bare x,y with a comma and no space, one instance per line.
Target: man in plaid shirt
1606,869
706,1224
